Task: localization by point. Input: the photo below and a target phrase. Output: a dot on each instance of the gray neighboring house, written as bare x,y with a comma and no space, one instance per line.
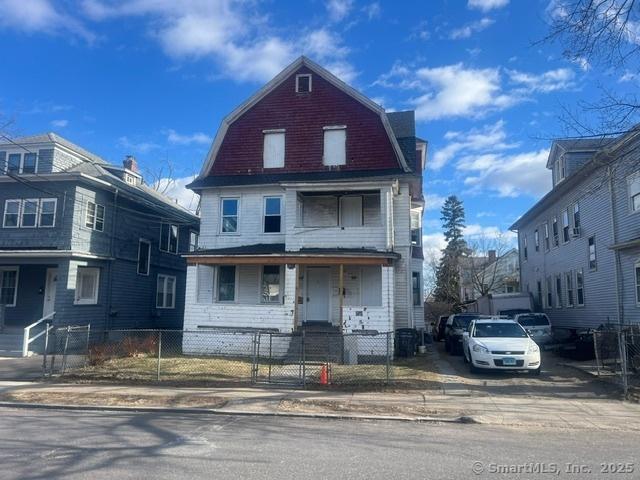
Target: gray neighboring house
87,240
580,244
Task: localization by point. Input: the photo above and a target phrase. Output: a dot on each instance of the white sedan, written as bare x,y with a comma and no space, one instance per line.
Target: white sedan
500,345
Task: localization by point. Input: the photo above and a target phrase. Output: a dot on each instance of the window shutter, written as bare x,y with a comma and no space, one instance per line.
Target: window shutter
273,154
334,147
351,211
205,284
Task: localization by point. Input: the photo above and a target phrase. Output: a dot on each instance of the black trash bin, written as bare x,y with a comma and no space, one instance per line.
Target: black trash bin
406,341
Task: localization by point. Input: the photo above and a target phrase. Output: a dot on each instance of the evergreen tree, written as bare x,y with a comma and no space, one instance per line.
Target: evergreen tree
448,272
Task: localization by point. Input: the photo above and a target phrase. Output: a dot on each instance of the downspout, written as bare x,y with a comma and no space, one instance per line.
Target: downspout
616,252
110,264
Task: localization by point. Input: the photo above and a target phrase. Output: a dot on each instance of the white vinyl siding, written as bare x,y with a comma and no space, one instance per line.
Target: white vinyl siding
335,139
273,153
87,286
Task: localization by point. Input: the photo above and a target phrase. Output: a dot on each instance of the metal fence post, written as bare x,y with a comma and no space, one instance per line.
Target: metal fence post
595,349
388,359
159,354
64,352
44,354
623,360
86,361
304,365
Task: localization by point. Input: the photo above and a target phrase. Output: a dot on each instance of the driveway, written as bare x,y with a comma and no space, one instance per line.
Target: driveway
555,381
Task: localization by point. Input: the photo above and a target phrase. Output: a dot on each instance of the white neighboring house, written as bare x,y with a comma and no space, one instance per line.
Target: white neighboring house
311,211
490,275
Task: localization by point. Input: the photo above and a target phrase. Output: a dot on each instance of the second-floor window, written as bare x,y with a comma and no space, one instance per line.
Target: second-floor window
536,240
29,213
272,214
94,218
554,228
169,238
593,261
576,218
22,163
229,218
565,225
416,288
546,237
416,228
193,241
166,292
273,150
144,257
633,186
525,249
335,140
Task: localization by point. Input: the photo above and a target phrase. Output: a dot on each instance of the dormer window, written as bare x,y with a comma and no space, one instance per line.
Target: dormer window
303,83
130,179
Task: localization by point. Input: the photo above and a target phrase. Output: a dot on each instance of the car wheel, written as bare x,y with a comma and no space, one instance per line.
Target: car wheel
472,367
464,356
537,371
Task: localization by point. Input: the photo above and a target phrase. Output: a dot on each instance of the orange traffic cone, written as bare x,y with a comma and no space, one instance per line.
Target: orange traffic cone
324,376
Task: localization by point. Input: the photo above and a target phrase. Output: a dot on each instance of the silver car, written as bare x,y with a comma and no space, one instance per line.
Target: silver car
537,325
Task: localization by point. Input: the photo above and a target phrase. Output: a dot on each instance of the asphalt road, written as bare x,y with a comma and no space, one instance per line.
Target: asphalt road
49,444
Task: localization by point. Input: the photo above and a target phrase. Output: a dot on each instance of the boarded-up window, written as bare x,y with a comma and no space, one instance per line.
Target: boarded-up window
273,154
371,209
204,284
334,146
320,211
351,211
371,286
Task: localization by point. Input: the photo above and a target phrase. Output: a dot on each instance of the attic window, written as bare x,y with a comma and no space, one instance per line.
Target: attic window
303,83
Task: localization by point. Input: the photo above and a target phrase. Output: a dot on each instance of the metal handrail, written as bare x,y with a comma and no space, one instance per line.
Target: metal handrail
27,331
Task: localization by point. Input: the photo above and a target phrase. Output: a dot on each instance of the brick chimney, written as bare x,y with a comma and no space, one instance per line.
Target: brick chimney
492,256
130,163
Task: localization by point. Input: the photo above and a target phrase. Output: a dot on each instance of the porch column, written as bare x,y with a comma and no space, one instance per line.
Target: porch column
292,291
341,292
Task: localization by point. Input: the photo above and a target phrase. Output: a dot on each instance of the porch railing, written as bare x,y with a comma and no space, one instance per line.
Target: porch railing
27,339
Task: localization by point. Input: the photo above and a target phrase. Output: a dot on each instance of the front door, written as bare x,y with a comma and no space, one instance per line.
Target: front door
318,294
50,292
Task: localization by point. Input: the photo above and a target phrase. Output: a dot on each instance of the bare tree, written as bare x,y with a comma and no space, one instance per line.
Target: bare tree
604,33
485,263
162,176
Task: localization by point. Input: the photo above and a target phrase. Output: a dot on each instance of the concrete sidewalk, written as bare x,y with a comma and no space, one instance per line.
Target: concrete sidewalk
516,411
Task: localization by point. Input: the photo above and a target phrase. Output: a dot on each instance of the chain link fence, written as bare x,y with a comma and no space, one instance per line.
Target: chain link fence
617,353
216,356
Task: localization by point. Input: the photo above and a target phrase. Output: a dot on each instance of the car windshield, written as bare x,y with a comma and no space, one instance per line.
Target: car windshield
533,320
502,330
462,321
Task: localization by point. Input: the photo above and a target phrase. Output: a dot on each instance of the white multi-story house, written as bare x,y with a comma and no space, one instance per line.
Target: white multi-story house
311,208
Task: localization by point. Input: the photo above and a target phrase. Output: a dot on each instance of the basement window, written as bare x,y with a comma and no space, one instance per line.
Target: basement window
303,83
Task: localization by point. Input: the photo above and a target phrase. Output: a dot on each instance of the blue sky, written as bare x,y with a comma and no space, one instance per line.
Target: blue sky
154,78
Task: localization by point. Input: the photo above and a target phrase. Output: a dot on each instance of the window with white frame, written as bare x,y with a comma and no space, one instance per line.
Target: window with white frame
166,291
416,287
633,188
576,216
144,257
565,225
273,149
230,209
29,213
272,214
47,213
558,291
536,240
335,140
270,290
525,248
193,241
226,283
416,228
303,83
169,238
29,163
13,163
569,284
8,286
94,218
579,288
554,229
547,244
87,285
593,260
11,217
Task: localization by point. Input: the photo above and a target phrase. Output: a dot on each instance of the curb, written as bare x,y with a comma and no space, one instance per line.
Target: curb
243,413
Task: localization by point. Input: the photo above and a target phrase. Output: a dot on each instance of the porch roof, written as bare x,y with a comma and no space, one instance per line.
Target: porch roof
276,253
624,245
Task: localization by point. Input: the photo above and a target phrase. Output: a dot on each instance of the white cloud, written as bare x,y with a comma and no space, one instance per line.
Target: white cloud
511,175
41,16
176,190
434,242
180,139
59,123
338,9
629,77
136,147
477,139
372,10
470,28
486,5
433,201
234,35
460,91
